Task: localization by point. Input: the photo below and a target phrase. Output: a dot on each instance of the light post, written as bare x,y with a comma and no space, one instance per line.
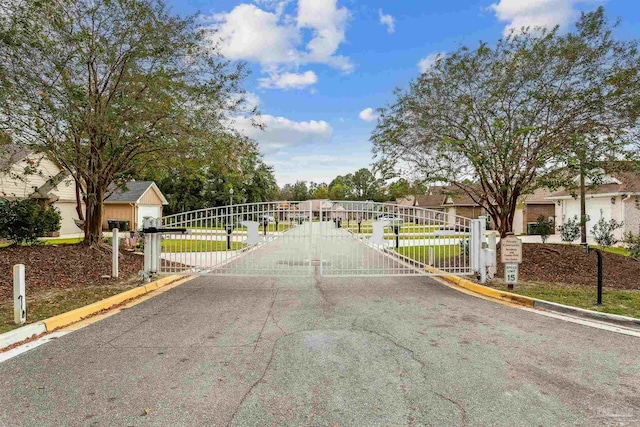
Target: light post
231,196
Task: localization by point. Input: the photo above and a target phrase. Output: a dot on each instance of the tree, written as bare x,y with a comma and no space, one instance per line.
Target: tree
321,191
365,185
107,87
300,191
204,182
286,192
503,116
399,189
340,188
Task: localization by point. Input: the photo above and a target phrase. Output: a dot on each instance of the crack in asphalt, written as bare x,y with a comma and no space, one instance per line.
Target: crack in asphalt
463,412
255,384
386,336
273,301
325,304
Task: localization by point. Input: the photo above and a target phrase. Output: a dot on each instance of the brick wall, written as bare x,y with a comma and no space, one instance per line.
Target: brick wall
532,212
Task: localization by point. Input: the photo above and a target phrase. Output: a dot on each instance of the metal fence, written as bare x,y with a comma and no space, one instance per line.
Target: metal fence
332,238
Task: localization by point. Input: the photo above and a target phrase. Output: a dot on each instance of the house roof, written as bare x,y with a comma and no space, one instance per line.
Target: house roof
457,197
625,181
408,200
539,197
133,191
430,200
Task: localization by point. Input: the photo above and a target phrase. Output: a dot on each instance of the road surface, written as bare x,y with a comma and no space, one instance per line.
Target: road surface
324,352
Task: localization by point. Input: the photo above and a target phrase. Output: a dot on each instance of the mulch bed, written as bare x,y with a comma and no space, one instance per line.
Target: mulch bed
568,264
63,267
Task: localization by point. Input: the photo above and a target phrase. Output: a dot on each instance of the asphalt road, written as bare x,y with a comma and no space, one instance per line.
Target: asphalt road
324,352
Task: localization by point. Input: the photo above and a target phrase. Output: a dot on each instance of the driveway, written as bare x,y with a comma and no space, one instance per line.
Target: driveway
325,352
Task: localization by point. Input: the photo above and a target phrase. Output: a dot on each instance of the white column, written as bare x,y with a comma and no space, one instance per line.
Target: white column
19,297
147,248
115,246
482,243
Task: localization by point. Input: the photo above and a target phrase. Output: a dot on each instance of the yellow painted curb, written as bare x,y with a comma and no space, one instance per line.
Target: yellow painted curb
494,293
484,290
73,316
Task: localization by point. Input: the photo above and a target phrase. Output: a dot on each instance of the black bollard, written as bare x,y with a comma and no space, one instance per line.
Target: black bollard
229,231
599,276
396,231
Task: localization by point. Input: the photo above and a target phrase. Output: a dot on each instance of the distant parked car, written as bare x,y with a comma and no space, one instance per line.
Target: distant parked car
391,218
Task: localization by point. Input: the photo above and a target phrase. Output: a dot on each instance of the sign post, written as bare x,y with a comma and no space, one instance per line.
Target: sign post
511,257
19,297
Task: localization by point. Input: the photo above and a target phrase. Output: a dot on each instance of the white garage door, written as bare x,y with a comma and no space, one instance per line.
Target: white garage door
147,211
596,208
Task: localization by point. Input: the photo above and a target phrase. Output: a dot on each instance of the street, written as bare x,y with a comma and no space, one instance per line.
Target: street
221,351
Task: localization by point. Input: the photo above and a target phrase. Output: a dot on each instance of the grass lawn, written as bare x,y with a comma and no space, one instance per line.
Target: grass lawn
45,304
188,245
421,253
614,301
57,241
270,228
614,250
64,241
407,228
423,237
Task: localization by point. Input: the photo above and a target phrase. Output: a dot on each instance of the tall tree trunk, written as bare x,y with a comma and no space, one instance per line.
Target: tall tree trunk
583,206
94,214
79,209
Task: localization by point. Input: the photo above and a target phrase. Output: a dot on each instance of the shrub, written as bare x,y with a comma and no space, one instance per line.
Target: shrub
633,244
543,228
603,232
24,221
570,230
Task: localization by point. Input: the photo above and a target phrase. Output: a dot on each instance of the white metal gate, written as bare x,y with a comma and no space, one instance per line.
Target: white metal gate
344,238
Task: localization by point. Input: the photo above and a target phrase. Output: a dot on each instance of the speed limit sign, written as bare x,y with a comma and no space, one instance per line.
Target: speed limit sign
511,274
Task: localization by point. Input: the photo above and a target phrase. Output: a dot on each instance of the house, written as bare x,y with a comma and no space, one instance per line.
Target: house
316,204
27,175
135,201
451,202
617,197
530,207
443,203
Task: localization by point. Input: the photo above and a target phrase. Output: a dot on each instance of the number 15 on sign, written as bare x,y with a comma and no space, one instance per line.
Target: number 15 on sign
511,274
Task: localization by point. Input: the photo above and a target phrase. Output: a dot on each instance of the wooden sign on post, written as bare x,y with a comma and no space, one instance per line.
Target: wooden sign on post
511,250
511,257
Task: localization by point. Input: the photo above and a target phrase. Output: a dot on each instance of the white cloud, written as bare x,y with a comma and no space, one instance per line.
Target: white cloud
275,40
281,132
388,21
252,34
328,23
534,13
429,61
368,115
289,80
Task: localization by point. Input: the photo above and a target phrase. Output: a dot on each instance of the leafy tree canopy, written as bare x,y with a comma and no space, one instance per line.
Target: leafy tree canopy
501,116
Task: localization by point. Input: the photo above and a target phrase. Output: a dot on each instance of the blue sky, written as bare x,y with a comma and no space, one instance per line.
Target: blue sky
317,66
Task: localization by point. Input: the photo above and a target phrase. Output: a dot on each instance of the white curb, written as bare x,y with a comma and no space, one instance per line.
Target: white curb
21,334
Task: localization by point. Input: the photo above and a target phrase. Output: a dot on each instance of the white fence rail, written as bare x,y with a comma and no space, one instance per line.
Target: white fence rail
334,238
